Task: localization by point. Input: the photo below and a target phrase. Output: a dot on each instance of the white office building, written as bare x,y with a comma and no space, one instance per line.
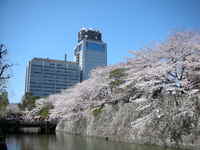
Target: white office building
48,76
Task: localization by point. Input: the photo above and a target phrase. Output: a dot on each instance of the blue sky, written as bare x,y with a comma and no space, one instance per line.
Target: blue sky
48,28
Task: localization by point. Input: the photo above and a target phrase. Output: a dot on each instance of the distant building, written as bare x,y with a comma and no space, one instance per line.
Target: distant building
90,52
48,76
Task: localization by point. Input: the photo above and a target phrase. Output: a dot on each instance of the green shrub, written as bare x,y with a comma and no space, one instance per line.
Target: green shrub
44,112
117,73
116,83
97,111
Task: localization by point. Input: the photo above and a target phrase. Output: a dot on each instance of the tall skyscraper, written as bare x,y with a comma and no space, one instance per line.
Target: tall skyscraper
48,76
90,52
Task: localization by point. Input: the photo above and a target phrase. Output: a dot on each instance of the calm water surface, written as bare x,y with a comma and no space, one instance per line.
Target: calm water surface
62,141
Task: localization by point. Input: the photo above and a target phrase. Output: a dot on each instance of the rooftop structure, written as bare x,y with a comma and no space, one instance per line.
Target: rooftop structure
89,34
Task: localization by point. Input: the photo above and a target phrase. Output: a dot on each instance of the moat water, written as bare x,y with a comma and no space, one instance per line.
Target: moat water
62,141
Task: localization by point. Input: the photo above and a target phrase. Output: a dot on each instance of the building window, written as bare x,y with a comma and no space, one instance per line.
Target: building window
94,46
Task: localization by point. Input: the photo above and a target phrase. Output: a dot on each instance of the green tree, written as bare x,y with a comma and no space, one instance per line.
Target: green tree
3,102
28,101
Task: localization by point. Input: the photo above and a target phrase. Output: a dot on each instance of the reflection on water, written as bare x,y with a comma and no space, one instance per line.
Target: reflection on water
62,141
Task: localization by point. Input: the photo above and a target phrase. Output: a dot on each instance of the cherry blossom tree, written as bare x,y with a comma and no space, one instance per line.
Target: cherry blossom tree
170,61
174,63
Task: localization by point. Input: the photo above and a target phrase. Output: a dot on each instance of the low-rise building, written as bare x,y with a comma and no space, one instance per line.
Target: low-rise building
48,76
